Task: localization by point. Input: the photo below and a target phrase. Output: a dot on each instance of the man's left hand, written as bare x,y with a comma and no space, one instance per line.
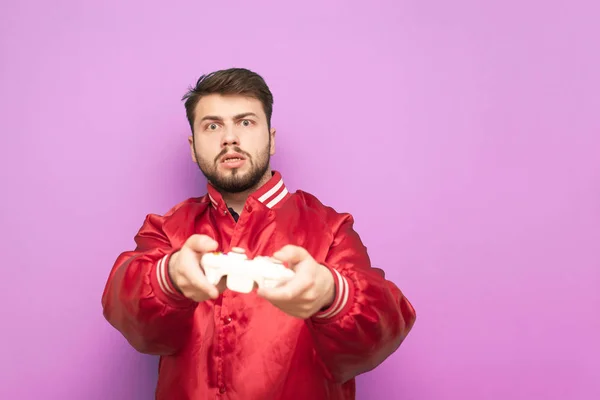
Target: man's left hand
311,290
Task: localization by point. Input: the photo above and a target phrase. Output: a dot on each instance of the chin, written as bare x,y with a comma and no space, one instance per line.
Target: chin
237,172
235,180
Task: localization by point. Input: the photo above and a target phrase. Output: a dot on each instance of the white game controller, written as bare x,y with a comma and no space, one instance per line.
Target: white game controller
241,273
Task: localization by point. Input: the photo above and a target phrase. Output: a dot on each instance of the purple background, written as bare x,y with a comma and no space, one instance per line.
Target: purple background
464,136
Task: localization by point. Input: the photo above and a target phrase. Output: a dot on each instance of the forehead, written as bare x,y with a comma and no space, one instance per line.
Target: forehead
227,106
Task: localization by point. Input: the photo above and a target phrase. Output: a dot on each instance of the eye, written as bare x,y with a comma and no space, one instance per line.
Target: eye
246,122
212,127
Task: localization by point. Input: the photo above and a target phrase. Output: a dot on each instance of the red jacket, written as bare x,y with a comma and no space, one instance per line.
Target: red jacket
239,346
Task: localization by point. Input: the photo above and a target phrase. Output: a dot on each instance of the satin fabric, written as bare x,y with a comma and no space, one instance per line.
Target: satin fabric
239,346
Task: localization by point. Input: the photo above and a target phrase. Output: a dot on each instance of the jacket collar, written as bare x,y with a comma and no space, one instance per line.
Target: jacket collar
271,194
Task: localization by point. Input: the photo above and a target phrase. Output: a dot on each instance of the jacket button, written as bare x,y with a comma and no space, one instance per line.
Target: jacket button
222,389
227,320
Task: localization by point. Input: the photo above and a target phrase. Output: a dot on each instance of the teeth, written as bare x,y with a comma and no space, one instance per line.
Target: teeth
232,159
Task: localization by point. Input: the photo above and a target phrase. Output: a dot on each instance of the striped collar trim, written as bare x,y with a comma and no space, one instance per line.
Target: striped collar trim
270,194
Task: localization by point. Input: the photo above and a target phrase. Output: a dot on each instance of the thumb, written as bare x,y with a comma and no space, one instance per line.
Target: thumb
201,243
291,254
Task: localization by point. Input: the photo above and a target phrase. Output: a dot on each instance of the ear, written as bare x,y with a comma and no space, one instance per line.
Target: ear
272,133
191,142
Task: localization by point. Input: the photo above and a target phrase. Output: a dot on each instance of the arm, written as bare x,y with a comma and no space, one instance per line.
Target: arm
139,298
369,317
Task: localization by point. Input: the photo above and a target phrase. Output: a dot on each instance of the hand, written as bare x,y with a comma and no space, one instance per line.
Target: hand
311,289
186,272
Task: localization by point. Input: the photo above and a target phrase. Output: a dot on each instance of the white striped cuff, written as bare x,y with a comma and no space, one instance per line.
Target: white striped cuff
342,290
164,282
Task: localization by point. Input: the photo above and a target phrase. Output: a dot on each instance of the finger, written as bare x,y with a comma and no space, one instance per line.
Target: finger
198,281
291,254
202,286
288,291
201,243
222,285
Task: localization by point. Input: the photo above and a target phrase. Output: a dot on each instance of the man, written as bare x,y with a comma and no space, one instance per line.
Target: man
305,339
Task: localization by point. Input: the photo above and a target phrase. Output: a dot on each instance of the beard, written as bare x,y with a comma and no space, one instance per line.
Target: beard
235,181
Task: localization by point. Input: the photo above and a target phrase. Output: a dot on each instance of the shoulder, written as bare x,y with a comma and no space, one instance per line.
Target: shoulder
181,210
327,213
180,218
186,205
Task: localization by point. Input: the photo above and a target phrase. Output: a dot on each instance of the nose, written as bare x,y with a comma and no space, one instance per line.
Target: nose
230,138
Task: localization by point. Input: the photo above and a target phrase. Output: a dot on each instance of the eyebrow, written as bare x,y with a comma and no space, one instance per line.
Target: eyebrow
217,118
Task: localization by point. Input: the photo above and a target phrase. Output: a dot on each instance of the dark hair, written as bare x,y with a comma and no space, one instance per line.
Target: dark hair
229,81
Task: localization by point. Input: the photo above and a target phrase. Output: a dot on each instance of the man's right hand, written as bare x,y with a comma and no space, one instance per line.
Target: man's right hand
186,271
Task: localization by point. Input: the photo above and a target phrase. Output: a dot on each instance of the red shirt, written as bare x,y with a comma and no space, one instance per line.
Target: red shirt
239,346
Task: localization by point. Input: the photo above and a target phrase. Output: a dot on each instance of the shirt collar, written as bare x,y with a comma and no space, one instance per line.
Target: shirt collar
270,194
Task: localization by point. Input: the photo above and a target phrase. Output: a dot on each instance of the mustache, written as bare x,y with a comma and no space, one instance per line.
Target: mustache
228,149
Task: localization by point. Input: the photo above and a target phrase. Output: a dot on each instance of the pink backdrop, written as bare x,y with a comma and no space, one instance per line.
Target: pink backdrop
464,136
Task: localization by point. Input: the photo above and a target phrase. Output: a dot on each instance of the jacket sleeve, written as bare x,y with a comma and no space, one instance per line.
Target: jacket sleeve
369,317
139,299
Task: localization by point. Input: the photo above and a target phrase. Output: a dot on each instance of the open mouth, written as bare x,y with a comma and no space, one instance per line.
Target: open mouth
232,159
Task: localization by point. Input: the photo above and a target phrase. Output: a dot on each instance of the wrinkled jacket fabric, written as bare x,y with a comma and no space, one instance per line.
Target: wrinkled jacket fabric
239,346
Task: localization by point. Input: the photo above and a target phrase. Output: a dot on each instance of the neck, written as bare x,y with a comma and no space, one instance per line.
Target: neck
236,201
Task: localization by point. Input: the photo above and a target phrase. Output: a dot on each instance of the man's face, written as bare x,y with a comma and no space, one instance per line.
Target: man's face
232,143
